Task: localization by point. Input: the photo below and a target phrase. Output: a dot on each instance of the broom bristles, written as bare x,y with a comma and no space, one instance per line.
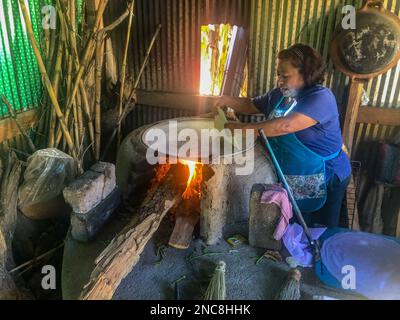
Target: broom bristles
290,289
216,289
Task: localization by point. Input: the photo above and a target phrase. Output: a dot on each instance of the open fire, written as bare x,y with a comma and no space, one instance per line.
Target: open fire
194,177
193,184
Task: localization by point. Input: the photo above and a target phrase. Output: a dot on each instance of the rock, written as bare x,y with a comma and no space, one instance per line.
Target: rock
50,209
264,219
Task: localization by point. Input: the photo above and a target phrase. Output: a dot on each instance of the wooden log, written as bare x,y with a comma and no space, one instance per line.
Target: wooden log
353,105
123,253
186,218
10,171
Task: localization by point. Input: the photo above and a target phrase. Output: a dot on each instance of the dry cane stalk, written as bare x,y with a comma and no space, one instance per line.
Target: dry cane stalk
97,115
86,109
76,125
46,80
123,68
14,117
80,114
46,42
127,110
99,59
88,53
49,44
69,23
56,83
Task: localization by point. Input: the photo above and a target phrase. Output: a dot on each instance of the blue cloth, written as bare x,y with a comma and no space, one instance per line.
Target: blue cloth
324,138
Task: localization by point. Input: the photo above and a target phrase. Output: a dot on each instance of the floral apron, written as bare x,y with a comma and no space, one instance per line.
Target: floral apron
303,168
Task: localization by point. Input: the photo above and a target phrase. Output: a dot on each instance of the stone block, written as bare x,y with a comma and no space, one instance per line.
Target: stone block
108,171
88,190
84,227
264,219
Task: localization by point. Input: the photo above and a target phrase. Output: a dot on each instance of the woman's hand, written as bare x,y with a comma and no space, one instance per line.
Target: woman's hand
241,105
222,101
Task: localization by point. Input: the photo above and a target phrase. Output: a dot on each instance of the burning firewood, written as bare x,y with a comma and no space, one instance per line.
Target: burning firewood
166,191
188,213
186,218
122,254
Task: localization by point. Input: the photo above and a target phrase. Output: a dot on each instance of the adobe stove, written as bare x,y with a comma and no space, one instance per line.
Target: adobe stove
213,174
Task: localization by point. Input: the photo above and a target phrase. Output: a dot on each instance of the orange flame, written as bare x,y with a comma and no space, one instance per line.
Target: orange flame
193,183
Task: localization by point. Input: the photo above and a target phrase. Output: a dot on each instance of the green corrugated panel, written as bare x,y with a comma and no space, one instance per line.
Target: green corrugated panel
20,80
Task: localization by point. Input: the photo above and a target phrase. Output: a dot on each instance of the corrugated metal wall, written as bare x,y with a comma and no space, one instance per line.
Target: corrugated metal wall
273,25
174,64
278,24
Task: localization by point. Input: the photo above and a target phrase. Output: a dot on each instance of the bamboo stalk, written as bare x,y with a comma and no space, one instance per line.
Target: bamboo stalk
46,109
89,50
46,79
123,68
75,123
14,117
83,95
68,91
86,110
97,109
46,42
72,34
80,114
88,53
69,20
127,110
96,106
56,83
36,258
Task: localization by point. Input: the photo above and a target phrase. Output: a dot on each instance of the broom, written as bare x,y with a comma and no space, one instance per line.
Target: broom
290,289
216,289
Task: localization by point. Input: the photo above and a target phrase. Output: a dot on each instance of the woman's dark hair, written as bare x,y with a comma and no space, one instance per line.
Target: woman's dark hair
307,60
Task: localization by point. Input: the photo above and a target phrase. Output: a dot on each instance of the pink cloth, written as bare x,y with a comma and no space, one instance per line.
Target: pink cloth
275,193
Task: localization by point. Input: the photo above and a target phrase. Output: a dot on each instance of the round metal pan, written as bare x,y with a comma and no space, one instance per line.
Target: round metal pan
372,48
226,149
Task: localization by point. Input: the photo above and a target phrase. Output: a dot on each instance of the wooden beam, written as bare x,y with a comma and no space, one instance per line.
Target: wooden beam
8,128
353,105
197,103
191,102
203,104
383,116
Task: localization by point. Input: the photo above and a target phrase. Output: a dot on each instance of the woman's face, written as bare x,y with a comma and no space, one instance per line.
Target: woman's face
289,79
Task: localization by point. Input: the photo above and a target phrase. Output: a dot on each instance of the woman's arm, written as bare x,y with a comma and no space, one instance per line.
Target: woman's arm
242,105
277,127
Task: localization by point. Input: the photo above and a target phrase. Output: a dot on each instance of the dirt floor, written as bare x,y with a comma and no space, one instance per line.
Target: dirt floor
159,266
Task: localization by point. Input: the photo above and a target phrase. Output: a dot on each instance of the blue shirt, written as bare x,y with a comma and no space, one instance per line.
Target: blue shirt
325,137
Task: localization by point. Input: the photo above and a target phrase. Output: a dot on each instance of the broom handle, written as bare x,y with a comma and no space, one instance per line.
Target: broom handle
289,191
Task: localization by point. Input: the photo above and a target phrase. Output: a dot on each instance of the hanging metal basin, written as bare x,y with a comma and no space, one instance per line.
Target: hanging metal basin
373,47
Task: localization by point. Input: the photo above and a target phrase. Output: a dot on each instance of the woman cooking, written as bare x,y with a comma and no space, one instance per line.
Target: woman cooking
303,128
